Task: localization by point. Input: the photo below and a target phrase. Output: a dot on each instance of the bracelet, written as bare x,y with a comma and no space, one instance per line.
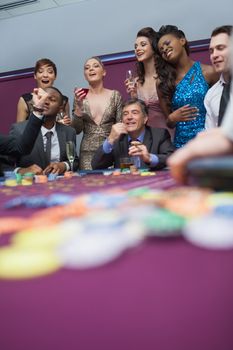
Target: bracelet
37,109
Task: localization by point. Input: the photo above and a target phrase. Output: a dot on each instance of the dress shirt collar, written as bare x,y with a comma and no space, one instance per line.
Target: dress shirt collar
222,80
139,138
45,130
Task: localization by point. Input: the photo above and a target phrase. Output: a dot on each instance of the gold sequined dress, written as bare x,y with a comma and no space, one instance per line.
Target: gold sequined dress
94,134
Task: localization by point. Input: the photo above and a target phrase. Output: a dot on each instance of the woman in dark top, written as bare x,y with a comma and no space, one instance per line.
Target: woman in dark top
45,73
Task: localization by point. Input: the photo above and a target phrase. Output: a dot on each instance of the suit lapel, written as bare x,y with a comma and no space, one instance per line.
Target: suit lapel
147,141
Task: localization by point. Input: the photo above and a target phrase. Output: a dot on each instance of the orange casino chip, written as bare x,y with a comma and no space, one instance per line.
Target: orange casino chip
68,174
184,201
54,215
12,224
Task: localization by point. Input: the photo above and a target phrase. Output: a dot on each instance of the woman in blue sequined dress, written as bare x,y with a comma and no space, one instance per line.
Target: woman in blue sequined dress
182,85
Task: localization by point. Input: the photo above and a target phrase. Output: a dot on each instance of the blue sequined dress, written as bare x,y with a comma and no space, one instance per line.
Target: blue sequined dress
190,90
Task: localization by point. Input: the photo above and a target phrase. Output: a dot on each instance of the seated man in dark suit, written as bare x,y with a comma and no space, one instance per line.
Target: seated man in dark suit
49,152
23,144
153,144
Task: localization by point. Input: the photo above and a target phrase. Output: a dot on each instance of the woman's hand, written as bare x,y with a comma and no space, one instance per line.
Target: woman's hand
183,114
131,88
79,96
66,120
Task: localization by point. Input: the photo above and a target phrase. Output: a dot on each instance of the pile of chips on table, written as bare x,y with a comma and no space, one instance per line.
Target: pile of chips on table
93,229
12,179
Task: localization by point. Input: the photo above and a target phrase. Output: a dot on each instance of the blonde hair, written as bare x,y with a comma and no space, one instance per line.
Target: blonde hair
95,58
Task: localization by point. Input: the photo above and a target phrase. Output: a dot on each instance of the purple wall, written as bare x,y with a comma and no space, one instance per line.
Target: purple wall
117,64
12,87
14,84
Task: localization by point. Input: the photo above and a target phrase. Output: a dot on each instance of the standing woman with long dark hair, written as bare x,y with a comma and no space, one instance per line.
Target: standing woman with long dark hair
145,82
182,85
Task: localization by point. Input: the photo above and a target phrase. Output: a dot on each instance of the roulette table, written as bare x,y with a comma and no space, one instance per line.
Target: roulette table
165,293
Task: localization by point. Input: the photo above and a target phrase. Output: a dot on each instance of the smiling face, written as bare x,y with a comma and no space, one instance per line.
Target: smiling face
171,47
134,119
94,71
45,76
143,49
220,52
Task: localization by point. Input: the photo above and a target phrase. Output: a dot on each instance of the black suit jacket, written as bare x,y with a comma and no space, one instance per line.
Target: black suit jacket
157,141
21,144
37,155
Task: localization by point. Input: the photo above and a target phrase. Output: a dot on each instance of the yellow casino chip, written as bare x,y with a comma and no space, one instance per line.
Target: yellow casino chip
43,237
37,238
22,263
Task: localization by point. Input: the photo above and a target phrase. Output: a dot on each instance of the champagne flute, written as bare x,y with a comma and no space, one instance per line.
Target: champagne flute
70,152
60,116
130,77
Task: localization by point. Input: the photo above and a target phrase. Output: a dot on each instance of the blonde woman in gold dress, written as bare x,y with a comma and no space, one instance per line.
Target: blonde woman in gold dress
95,111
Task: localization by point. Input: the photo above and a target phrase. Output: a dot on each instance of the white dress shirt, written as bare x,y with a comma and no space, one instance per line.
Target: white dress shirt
55,148
212,103
227,124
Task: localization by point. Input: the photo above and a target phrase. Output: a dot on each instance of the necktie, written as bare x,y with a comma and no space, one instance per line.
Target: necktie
48,145
223,102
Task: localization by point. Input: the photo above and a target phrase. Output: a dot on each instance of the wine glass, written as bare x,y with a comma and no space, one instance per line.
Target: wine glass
70,152
130,77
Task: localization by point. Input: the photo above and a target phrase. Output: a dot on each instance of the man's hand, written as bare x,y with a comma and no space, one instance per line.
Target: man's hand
39,97
117,130
206,144
35,169
55,168
139,150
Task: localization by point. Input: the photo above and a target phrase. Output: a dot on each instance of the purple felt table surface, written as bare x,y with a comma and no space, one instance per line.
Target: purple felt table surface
165,294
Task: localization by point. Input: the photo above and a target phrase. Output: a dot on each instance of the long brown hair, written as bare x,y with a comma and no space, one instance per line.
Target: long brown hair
151,34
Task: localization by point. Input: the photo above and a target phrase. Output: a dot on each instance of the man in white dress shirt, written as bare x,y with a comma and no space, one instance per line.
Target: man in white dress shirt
219,55
210,143
48,154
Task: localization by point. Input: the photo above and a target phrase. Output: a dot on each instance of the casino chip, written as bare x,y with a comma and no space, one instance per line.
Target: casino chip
42,238
11,224
163,223
21,264
100,245
210,231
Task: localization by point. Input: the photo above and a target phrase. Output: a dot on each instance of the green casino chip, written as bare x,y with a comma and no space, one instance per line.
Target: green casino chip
163,222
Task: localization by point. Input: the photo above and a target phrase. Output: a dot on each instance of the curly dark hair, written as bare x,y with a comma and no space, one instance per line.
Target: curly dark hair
151,34
166,72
